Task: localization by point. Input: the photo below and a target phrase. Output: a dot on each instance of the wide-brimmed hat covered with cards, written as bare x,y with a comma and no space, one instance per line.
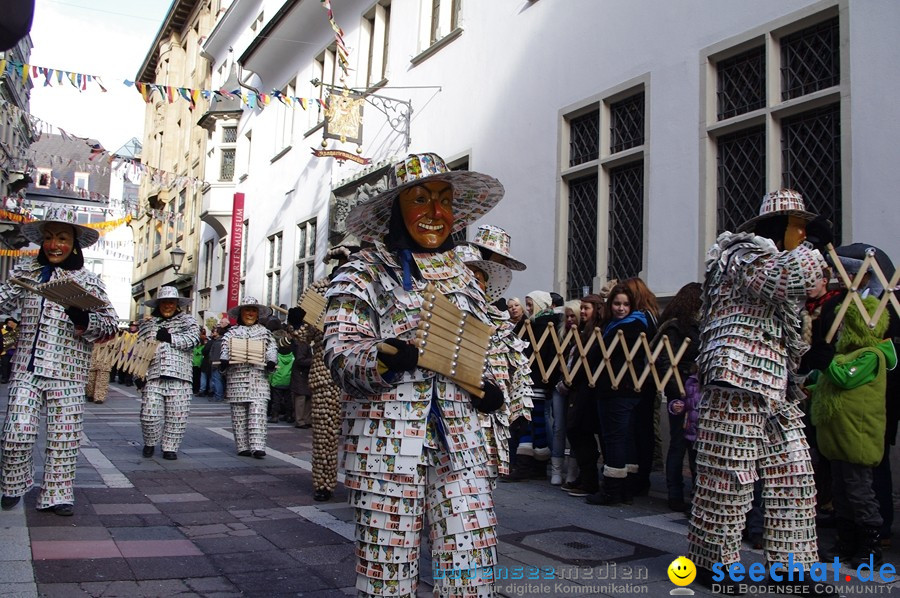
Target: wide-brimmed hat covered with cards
474,194
264,310
498,276
34,231
495,239
167,292
784,202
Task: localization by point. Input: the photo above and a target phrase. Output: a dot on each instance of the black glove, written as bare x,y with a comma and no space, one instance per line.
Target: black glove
163,335
404,360
270,366
78,316
492,399
140,383
820,232
295,316
223,365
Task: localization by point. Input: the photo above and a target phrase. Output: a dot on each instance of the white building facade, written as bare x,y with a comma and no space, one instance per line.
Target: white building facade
627,134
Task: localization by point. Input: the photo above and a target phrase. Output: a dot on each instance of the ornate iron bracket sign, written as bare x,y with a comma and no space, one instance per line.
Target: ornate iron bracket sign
398,113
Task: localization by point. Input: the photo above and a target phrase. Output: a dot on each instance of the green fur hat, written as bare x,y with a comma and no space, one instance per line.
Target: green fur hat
855,333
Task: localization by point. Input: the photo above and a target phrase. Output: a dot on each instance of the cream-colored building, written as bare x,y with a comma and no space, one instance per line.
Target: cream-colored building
174,153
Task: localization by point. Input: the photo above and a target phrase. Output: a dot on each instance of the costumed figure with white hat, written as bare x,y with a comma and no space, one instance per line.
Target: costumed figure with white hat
750,422
50,367
413,444
247,383
507,359
166,398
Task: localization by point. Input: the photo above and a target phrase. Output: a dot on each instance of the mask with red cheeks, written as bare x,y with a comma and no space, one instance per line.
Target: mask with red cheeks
167,307
427,211
249,315
59,241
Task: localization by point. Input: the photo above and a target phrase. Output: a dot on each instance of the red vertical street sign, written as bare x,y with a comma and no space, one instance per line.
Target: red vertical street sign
234,256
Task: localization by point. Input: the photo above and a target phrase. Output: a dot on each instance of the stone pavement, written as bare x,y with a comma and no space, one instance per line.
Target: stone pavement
213,524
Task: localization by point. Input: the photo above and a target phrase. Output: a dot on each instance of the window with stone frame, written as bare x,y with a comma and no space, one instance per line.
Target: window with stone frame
305,262
624,170
376,30
796,130
603,175
273,268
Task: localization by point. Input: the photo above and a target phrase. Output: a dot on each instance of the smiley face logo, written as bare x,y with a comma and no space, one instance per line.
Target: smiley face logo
682,571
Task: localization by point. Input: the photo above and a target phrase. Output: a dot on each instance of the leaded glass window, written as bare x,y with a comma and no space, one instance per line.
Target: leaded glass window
582,248
626,127
626,221
810,59
811,161
741,83
741,177
584,138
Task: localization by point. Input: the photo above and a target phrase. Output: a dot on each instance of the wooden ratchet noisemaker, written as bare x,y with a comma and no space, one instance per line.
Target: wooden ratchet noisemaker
451,342
314,305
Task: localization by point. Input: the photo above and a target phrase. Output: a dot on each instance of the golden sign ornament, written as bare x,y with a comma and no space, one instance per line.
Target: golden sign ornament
343,117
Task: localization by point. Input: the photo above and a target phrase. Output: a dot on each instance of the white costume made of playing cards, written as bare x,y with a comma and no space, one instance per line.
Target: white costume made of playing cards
247,384
50,369
507,360
750,423
166,400
413,444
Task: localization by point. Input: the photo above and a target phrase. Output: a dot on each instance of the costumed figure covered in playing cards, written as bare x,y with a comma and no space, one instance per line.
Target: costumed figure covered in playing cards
507,359
413,444
167,392
50,367
750,422
247,379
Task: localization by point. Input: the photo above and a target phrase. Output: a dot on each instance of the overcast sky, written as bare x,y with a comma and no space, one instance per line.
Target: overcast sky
109,38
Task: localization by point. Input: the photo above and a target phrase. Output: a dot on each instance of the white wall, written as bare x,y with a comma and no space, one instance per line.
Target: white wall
518,65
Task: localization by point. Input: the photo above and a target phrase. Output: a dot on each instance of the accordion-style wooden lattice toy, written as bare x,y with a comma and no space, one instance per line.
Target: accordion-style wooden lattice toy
247,350
64,291
314,304
451,342
129,355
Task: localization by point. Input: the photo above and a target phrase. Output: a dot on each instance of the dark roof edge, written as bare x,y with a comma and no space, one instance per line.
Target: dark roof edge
167,25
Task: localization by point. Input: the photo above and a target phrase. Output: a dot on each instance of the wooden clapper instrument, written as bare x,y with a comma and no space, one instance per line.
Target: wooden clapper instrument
450,342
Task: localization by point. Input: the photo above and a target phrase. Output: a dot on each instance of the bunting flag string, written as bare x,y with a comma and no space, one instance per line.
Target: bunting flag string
164,215
108,225
157,176
79,81
252,100
15,216
343,54
17,252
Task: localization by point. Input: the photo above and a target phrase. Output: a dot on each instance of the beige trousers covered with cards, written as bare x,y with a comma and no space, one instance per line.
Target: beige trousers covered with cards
738,441
64,400
390,512
165,406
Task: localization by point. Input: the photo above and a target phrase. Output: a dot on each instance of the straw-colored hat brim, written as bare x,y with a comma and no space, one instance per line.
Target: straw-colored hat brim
474,194
750,225
154,303
34,232
264,310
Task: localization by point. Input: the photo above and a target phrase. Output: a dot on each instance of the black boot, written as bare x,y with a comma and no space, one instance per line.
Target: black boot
846,545
868,547
523,469
631,488
611,492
